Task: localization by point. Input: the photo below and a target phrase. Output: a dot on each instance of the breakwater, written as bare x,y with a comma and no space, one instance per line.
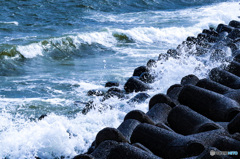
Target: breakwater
195,117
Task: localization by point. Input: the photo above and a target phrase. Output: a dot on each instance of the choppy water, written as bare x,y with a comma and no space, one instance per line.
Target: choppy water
53,52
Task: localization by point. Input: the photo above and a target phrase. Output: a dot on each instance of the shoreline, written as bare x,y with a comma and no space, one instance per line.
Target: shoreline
194,118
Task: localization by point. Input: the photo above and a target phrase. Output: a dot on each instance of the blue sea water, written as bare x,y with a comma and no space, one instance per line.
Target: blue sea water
53,51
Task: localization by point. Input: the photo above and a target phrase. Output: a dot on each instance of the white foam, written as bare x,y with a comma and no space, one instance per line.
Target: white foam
48,137
31,50
12,22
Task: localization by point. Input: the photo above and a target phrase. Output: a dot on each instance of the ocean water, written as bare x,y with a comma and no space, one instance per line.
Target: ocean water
53,51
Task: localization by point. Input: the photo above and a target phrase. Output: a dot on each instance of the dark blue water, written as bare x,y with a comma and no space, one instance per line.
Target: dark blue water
53,51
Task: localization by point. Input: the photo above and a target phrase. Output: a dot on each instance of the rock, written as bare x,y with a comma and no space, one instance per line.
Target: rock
163,142
95,93
210,153
189,79
234,125
201,51
209,38
234,68
237,58
174,91
146,77
139,70
127,127
208,138
234,34
210,32
228,144
234,47
223,27
159,113
103,150
135,85
140,116
138,145
114,89
164,126
173,53
163,56
185,121
113,92
234,23
83,156
42,116
109,134
139,98
213,86
89,105
126,151
218,55
192,39
111,83
160,98
210,104
151,63
226,78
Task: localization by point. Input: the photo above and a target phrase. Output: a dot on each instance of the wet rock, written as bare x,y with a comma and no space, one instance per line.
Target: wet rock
192,39
163,56
218,55
173,53
226,78
234,34
114,89
159,113
89,105
138,145
234,47
95,93
210,32
135,85
139,98
234,125
127,127
210,153
189,79
103,150
83,156
234,23
234,68
147,77
126,151
139,70
42,116
208,138
237,58
185,121
209,38
228,144
113,92
201,51
151,63
223,27
164,126
110,134
140,116
163,143
174,91
111,84
160,98
213,86
210,104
